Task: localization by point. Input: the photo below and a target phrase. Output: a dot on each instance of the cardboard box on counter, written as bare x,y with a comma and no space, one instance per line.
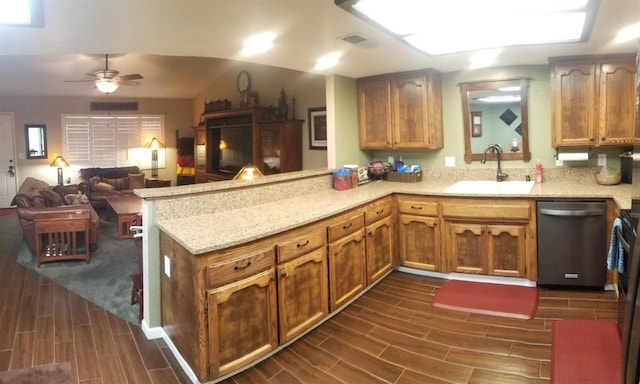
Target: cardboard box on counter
405,177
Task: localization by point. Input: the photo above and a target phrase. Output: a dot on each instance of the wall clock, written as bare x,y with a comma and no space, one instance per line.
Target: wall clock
243,83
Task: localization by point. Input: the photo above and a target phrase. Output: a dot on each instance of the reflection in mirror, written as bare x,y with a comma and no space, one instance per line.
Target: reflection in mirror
496,112
36,141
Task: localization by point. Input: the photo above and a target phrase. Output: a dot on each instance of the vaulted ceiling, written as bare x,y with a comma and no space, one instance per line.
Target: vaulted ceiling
180,47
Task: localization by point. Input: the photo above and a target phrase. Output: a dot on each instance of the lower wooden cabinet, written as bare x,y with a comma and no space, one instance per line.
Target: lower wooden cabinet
486,249
490,237
419,233
303,295
379,248
242,322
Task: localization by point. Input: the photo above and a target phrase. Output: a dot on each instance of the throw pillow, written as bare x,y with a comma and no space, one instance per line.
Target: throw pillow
73,199
31,186
136,180
38,201
103,187
118,184
52,198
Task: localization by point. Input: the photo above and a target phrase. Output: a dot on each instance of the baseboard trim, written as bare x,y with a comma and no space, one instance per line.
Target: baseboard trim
468,277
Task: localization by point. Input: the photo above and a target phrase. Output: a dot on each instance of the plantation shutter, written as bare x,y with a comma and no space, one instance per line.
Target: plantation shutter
108,141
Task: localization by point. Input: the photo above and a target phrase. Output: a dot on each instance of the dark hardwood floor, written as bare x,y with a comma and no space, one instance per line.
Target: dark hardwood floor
390,335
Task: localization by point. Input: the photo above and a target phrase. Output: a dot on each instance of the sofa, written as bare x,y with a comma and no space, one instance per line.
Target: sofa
37,201
100,183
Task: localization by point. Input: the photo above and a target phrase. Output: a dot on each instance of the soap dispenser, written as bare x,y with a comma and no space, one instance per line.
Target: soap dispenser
538,172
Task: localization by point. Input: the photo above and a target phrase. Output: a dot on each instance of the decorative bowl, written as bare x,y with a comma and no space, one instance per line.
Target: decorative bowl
611,177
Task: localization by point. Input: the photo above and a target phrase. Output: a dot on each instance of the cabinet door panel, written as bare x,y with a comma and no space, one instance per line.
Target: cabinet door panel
575,104
302,293
410,118
617,101
379,249
465,248
374,114
242,322
506,250
347,269
419,238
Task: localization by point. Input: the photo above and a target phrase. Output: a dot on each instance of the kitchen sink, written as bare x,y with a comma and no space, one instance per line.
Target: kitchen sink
487,187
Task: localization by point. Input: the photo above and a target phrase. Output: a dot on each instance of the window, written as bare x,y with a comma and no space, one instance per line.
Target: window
111,141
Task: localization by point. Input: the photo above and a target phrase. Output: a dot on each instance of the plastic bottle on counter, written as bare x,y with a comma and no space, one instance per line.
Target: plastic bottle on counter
538,172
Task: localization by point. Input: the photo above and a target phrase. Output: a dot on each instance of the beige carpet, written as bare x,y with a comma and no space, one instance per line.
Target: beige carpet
43,374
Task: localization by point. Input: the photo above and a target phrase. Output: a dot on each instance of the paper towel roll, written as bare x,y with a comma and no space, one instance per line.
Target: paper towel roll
573,156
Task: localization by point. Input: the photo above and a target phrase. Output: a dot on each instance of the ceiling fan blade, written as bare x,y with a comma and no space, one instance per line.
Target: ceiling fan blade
134,76
79,81
128,82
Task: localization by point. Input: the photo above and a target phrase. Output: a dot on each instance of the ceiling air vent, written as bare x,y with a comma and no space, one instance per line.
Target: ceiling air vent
360,40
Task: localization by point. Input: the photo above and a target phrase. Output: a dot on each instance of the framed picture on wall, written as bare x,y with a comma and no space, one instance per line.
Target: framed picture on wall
318,128
476,124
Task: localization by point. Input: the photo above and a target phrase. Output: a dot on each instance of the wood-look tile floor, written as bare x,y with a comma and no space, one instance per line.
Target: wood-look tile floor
390,335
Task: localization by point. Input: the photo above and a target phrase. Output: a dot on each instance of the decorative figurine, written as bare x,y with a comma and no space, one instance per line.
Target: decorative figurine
283,107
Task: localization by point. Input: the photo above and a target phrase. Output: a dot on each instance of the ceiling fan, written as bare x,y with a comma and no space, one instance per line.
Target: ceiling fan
107,80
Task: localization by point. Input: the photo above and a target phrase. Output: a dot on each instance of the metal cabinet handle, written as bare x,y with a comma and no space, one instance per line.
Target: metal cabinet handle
416,207
302,244
238,267
347,226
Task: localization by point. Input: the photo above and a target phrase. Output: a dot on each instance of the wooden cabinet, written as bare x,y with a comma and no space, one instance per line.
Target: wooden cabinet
242,310
235,138
380,236
419,232
593,101
303,293
490,237
347,265
401,111
280,146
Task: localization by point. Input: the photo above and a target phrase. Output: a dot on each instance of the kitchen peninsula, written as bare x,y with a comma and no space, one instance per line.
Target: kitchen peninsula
208,233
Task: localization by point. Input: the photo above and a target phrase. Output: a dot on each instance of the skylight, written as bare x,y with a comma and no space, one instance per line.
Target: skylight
449,26
21,13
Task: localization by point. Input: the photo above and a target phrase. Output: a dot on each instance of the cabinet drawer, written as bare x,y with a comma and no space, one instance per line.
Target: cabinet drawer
225,272
495,210
377,210
301,242
346,227
416,207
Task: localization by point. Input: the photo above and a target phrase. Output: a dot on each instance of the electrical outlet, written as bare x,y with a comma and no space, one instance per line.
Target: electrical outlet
449,161
602,159
559,163
167,266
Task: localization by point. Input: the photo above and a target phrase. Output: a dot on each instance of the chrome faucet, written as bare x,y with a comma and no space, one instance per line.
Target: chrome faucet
497,149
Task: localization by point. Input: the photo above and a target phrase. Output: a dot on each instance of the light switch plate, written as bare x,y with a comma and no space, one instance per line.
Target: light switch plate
602,159
167,266
449,161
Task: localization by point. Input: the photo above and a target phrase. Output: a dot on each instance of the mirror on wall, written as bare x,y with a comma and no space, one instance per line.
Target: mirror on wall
36,141
496,112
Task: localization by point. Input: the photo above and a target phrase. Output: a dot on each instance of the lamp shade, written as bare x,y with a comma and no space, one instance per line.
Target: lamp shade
248,172
107,85
154,143
59,162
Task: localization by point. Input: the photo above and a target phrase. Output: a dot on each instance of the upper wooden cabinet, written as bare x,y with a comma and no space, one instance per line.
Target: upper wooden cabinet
593,101
401,111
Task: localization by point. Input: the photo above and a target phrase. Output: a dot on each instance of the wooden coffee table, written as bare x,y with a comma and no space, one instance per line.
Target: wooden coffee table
124,207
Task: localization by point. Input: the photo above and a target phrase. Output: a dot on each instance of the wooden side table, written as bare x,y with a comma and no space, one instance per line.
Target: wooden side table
156,183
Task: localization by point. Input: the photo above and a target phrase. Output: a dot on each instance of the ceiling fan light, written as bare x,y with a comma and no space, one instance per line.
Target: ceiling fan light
107,85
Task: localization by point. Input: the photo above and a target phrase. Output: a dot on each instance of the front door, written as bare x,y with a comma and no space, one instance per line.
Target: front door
8,178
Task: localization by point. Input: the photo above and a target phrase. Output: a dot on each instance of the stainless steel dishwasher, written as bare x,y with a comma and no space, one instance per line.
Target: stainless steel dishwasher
572,243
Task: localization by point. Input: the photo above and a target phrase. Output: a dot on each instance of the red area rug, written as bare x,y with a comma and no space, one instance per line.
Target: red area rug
7,211
488,299
585,352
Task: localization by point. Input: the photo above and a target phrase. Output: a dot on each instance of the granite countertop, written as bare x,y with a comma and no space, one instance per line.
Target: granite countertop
255,222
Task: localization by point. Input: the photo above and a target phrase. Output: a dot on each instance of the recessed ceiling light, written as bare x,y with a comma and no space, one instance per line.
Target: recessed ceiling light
327,61
466,25
257,43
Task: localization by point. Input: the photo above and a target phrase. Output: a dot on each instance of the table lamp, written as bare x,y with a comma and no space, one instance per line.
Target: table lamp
248,172
59,162
154,144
